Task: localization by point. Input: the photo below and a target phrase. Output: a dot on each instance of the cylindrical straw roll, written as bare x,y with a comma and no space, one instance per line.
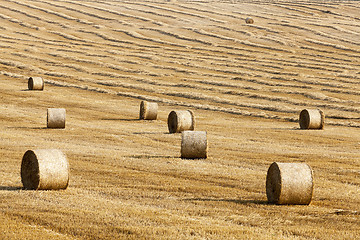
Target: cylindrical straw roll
289,183
45,169
311,119
249,20
56,117
148,110
36,83
182,120
194,144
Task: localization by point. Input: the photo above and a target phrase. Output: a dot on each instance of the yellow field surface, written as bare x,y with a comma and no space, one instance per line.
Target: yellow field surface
245,83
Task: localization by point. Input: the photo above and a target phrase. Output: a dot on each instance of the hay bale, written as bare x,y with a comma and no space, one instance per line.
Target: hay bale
148,110
44,169
182,120
249,20
311,119
36,83
194,144
56,117
289,183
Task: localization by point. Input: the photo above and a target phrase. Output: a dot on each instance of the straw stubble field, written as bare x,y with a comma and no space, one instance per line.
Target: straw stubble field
245,83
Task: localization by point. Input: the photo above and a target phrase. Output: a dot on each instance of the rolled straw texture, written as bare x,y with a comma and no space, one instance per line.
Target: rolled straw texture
148,110
249,20
194,144
311,119
36,83
56,117
44,169
182,120
289,183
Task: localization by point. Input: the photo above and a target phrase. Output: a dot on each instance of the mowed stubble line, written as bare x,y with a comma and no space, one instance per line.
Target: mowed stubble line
227,58
127,180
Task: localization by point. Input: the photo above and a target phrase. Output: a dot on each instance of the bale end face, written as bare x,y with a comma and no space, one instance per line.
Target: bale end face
36,83
273,184
289,183
173,122
30,177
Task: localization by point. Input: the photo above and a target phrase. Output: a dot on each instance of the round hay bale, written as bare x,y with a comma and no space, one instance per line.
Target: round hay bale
194,144
249,20
44,169
289,183
56,117
311,119
36,83
148,110
182,120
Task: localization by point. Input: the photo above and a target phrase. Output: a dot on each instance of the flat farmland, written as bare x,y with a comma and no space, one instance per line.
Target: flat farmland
245,83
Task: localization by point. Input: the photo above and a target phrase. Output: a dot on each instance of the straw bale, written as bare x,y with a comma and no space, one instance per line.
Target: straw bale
44,169
148,110
56,117
194,144
181,120
249,20
311,119
289,183
36,83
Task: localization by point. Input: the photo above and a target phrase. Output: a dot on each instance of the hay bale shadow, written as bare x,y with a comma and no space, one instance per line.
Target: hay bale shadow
237,201
150,133
34,128
151,156
9,188
121,119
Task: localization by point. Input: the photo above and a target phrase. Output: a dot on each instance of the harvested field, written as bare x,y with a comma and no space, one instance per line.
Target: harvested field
245,83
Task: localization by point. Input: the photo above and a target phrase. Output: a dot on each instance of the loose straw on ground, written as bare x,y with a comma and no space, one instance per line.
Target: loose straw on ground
182,120
148,110
289,183
249,20
44,169
194,144
36,83
56,117
311,119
